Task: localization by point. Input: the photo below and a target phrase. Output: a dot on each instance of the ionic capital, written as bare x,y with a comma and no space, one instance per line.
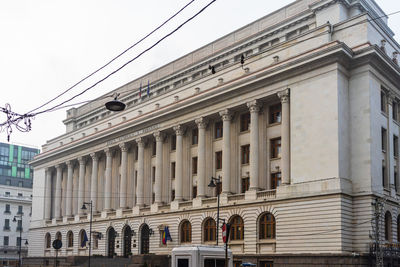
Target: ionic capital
159,136
201,123
179,130
226,115
254,106
284,95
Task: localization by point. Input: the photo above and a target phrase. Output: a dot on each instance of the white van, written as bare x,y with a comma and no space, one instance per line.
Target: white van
200,256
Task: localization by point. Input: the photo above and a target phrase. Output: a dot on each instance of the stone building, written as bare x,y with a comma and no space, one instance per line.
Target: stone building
297,112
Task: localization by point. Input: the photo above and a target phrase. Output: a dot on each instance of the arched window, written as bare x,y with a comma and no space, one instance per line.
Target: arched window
237,228
48,240
267,226
398,229
186,232
70,239
83,239
388,226
58,236
209,229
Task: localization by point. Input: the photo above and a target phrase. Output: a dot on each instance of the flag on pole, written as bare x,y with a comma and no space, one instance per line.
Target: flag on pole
148,88
84,240
166,235
140,90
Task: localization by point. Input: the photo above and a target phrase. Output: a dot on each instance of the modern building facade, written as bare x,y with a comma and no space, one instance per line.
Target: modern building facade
16,179
297,113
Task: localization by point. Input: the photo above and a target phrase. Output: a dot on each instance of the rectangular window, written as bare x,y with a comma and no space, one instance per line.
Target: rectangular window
19,225
218,160
275,180
245,184
136,153
395,179
153,197
266,264
153,174
6,224
218,188
384,139
395,111
195,136
7,210
218,130
383,102
244,122
19,194
194,192
20,210
8,182
5,240
173,142
18,241
173,170
7,194
383,176
276,148
245,152
154,148
395,146
194,165
172,195
275,113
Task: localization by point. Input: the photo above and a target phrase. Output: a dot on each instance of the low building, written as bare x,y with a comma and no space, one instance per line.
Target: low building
15,199
297,113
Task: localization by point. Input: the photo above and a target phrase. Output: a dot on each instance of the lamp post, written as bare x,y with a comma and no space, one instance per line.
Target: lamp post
90,225
218,181
20,238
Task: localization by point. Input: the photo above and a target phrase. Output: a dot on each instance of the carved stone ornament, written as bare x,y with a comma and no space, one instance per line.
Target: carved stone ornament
159,136
284,95
179,130
226,115
390,98
201,123
124,147
140,141
94,156
108,152
81,160
254,106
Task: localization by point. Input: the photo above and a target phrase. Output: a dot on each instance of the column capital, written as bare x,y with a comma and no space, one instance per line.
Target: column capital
226,115
140,141
179,130
82,160
58,167
201,123
284,95
159,136
390,97
94,156
124,147
254,106
108,152
69,163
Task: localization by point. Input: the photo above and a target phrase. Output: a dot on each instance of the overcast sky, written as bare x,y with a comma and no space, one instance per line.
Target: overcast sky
48,45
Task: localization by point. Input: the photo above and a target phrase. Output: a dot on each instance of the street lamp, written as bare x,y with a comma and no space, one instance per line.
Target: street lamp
90,225
218,181
115,105
20,238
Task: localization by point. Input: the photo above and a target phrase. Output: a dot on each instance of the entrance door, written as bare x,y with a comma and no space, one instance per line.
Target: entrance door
111,242
144,240
127,241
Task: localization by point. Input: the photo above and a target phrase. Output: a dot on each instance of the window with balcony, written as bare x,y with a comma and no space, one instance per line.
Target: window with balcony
275,114
245,184
218,133
20,210
173,166
194,165
244,122
276,179
6,241
194,192
245,154
6,225
7,210
218,160
19,225
18,241
276,148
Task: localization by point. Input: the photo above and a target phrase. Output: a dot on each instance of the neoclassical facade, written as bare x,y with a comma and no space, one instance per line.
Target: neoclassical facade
296,113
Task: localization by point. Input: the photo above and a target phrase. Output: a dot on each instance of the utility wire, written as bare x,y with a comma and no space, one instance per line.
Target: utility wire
114,58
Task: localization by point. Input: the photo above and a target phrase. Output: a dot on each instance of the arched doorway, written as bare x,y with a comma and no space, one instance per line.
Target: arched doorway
111,242
144,239
127,241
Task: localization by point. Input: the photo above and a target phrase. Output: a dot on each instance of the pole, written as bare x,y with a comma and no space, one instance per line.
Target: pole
56,263
217,216
20,243
226,253
90,231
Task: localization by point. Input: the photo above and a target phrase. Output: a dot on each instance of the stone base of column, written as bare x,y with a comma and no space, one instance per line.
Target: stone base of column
175,205
136,210
223,198
198,201
250,194
154,207
65,219
119,212
54,220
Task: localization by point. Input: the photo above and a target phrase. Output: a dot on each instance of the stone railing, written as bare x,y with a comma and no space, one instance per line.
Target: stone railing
236,197
210,200
186,204
266,194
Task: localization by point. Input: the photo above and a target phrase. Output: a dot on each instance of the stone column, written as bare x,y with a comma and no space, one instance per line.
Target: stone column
389,141
81,184
47,208
140,174
69,189
254,108
93,181
58,192
179,163
226,152
285,136
124,173
159,166
201,157
107,183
